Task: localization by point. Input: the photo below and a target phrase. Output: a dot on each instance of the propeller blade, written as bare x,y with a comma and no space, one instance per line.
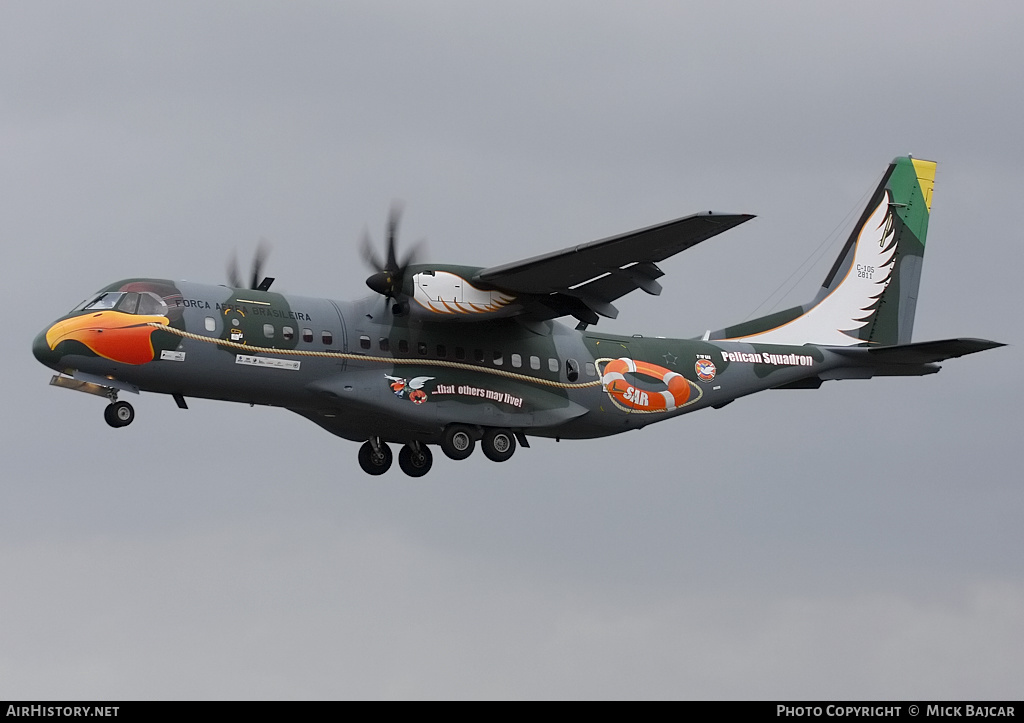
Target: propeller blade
258,260
368,254
416,252
389,273
234,280
260,257
394,216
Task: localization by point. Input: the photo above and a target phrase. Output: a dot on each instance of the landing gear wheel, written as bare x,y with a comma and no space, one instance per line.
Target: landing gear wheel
375,461
458,442
119,414
415,461
498,444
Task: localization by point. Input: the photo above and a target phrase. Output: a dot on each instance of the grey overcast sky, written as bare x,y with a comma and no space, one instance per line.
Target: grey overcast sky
859,541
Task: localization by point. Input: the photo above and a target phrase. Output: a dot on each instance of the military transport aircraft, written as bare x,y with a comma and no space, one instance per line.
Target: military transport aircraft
455,355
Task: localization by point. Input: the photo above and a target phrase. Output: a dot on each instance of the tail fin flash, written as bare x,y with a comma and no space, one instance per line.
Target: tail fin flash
870,295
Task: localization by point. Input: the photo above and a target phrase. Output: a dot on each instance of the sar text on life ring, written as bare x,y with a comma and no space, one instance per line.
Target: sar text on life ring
675,395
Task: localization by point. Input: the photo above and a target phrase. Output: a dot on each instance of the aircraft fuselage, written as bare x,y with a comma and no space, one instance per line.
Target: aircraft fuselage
361,371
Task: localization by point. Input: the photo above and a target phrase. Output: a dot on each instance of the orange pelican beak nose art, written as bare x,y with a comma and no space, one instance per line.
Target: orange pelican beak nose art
110,334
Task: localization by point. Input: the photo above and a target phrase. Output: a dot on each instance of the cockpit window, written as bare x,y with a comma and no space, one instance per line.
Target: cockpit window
129,303
151,305
146,303
106,300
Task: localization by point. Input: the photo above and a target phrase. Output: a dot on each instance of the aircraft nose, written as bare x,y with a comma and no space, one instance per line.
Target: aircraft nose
41,350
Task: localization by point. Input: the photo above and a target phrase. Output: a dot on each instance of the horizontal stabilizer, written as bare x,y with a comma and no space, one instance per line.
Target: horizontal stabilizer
925,352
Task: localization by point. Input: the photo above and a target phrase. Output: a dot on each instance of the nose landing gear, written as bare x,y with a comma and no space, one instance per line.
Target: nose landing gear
119,414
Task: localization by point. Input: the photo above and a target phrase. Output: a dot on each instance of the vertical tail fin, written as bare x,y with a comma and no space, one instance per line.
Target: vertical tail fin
870,295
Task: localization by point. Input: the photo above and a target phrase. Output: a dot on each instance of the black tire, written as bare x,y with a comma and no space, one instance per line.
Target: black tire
119,414
457,442
415,462
498,444
372,462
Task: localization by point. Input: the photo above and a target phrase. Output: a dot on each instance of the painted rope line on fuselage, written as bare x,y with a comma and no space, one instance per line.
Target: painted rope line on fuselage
377,359
632,399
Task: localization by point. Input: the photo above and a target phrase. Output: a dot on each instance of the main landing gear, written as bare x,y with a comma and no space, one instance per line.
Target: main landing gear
498,444
457,442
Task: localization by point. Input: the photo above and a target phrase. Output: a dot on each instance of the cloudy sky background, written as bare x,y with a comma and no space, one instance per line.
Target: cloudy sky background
860,541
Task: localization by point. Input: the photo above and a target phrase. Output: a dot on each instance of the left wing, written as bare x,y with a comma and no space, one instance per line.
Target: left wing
582,281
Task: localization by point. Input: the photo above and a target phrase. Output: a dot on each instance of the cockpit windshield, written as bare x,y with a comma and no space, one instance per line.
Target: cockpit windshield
144,303
106,300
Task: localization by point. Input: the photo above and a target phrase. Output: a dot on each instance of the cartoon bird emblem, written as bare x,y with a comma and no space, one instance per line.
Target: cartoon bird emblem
399,385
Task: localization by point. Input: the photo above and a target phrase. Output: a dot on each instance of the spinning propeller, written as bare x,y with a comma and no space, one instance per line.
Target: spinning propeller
258,259
390,273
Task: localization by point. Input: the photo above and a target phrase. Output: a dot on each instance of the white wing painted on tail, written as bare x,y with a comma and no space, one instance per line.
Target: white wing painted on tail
849,305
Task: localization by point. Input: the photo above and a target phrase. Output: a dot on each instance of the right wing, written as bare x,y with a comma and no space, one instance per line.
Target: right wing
582,281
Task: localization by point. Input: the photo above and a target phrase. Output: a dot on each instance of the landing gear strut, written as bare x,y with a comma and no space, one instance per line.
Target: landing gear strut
415,459
119,414
375,457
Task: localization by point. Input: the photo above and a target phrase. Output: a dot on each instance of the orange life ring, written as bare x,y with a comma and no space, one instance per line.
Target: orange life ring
676,394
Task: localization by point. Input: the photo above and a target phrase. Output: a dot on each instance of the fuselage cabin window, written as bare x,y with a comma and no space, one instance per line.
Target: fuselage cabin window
326,337
517,360
210,323
288,333
364,342
268,331
307,336
572,370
